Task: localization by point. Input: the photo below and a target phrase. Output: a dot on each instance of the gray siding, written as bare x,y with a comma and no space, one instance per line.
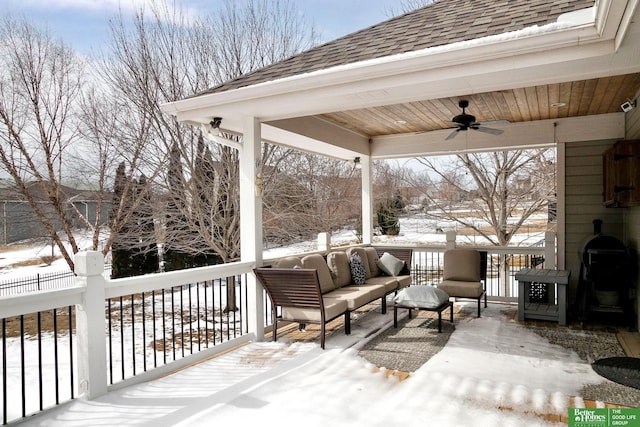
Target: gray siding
632,215
583,203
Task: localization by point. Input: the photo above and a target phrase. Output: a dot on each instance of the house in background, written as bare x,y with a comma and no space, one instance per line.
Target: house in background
18,220
563,73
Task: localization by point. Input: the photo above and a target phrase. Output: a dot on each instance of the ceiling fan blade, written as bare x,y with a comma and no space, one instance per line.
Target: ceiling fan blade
492,131
452,134
496,122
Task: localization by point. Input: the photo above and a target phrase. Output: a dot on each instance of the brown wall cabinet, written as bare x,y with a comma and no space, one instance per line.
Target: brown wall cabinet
621,174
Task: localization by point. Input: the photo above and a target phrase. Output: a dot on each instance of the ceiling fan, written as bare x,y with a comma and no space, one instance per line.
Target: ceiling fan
466,121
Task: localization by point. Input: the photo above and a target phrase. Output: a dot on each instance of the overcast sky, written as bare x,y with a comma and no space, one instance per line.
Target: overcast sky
84,23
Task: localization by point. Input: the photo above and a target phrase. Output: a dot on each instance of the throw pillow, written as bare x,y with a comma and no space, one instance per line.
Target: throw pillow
390,265
358,272
423,296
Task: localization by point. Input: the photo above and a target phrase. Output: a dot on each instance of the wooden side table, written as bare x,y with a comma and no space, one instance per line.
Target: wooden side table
551,309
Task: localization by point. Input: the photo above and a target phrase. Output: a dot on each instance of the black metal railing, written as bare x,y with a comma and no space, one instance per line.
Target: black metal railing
37,282
37,362
502,265
154,328
41,282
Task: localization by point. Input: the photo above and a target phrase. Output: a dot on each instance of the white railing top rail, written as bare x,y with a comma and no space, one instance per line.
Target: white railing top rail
132,285
33,302
30,302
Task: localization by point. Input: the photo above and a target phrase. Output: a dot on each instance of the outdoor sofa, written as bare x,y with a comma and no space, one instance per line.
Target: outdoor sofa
317,289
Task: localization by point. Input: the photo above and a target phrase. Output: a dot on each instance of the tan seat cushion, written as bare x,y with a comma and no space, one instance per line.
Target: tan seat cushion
390,283
403,281
357,296
338,263
461,289
332,307
317,262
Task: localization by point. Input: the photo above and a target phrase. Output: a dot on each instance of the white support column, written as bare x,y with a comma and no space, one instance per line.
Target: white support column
367,200
451,239
251,219
90,325
324,242
561,204
550,250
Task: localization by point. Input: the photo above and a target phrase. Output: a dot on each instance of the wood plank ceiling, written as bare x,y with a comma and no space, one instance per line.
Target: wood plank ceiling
580,98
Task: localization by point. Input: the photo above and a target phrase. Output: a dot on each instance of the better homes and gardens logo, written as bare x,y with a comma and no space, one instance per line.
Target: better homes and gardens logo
583,417
604,417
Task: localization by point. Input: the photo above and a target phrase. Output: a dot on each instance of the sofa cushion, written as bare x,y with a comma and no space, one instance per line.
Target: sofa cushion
462,289
363,256
332,307
390,283
358,272
372,257
421,296
403,281
317,262
288,262
338,263
390,265
357,296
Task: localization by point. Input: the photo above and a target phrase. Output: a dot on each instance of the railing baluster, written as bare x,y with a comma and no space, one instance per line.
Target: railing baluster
206,314
153,317
173,323
164,330
190,322
133,335
70,316
4,371
144,338
122,338
56,366
22,368
198,313
40,382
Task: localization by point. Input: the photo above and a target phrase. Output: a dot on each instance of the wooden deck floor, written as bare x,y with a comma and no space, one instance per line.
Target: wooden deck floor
630,342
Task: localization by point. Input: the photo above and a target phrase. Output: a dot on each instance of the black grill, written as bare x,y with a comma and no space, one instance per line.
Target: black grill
605,277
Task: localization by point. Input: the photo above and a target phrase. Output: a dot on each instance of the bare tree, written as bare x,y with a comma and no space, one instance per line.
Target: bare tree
40,83
308,194
166,55
502,190
115,134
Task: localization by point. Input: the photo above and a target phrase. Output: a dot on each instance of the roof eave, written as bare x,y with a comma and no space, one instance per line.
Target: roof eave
582,44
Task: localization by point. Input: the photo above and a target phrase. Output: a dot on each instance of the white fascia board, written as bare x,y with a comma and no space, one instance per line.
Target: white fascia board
483,50
521,135
626,22
609,16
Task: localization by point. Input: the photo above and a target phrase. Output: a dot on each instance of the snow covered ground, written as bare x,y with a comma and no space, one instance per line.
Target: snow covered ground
489,363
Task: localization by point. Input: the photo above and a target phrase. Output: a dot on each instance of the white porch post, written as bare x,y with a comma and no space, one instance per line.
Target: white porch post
90,325
550,249
251,220
451,239
367,200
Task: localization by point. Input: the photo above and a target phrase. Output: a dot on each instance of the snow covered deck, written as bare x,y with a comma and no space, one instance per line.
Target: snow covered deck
493,371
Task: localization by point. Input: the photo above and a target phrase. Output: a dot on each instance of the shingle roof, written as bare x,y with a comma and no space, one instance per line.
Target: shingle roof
441,23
